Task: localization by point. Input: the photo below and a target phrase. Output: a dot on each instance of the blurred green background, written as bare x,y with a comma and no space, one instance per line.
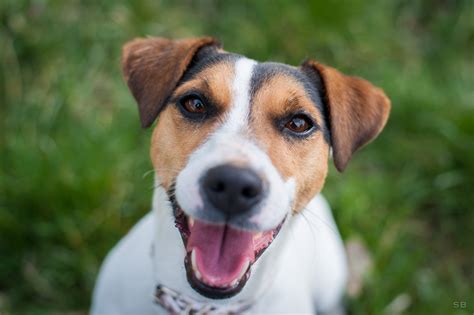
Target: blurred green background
74,167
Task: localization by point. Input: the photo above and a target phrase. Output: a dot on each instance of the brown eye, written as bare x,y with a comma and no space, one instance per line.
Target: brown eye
299,124
194,105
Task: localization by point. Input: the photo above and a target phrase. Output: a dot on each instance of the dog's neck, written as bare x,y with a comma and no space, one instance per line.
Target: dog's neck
168,255
177,303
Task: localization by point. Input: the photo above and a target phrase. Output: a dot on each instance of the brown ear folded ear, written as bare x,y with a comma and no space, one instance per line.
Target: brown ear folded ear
357,110
153,66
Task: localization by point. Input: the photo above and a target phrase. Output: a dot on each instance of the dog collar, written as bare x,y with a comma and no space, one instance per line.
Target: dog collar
176,303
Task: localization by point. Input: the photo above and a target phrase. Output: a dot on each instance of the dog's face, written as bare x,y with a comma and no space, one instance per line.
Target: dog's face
240,146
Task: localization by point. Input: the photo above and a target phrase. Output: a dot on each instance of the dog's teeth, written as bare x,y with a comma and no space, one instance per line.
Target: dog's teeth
257,236
244,270
245,267
190,222
196,272
193,260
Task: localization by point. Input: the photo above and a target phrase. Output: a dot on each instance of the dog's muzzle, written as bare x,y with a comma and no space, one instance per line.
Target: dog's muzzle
221,241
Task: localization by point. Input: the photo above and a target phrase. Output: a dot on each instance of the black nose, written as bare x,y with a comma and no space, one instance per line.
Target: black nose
231,189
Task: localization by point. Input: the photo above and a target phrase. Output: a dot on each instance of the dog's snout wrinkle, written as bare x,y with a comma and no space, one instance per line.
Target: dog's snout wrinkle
232,190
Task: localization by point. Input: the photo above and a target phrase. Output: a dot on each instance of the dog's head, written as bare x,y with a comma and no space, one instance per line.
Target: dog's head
240,145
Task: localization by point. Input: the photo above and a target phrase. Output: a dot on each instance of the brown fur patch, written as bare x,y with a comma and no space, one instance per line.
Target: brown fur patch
305,160
174,137
358,111
153,66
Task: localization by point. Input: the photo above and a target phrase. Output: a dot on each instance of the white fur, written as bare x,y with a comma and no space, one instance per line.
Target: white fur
239,114
303,271
231,143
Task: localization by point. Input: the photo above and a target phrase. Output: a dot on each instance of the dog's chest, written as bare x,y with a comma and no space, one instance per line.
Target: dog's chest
307,272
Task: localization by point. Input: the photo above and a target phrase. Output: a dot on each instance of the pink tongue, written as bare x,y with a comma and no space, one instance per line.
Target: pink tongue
221,251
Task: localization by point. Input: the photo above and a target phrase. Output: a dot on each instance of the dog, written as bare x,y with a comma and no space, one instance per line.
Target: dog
240,153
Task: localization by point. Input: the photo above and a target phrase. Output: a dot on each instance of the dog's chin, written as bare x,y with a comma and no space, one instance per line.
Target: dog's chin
219,257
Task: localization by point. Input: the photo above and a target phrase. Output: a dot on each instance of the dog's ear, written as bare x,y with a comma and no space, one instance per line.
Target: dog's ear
357,110
153,66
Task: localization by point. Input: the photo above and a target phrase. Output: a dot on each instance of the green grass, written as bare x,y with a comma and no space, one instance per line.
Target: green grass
74,166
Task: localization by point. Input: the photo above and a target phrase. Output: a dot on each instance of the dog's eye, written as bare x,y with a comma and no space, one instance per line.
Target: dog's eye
299,124
193,104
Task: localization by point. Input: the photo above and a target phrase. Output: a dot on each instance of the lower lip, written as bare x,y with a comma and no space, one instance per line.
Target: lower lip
210,291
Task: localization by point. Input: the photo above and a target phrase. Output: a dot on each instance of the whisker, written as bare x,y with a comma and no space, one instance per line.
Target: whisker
312,228
147,173
327,224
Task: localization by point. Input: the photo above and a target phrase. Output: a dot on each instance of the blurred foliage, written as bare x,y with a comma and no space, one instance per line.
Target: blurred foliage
74,167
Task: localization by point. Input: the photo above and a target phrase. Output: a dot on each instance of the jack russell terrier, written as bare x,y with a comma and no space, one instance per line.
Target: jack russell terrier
240,153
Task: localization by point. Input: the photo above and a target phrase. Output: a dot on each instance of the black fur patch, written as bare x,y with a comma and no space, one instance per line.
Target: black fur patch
203,59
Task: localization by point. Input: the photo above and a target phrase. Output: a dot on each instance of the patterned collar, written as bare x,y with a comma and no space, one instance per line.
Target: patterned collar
176,303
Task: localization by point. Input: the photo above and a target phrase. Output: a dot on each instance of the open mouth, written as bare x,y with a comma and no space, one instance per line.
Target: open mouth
218,256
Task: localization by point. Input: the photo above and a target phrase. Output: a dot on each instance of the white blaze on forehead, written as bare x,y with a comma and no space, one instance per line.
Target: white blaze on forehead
239,113
227,145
